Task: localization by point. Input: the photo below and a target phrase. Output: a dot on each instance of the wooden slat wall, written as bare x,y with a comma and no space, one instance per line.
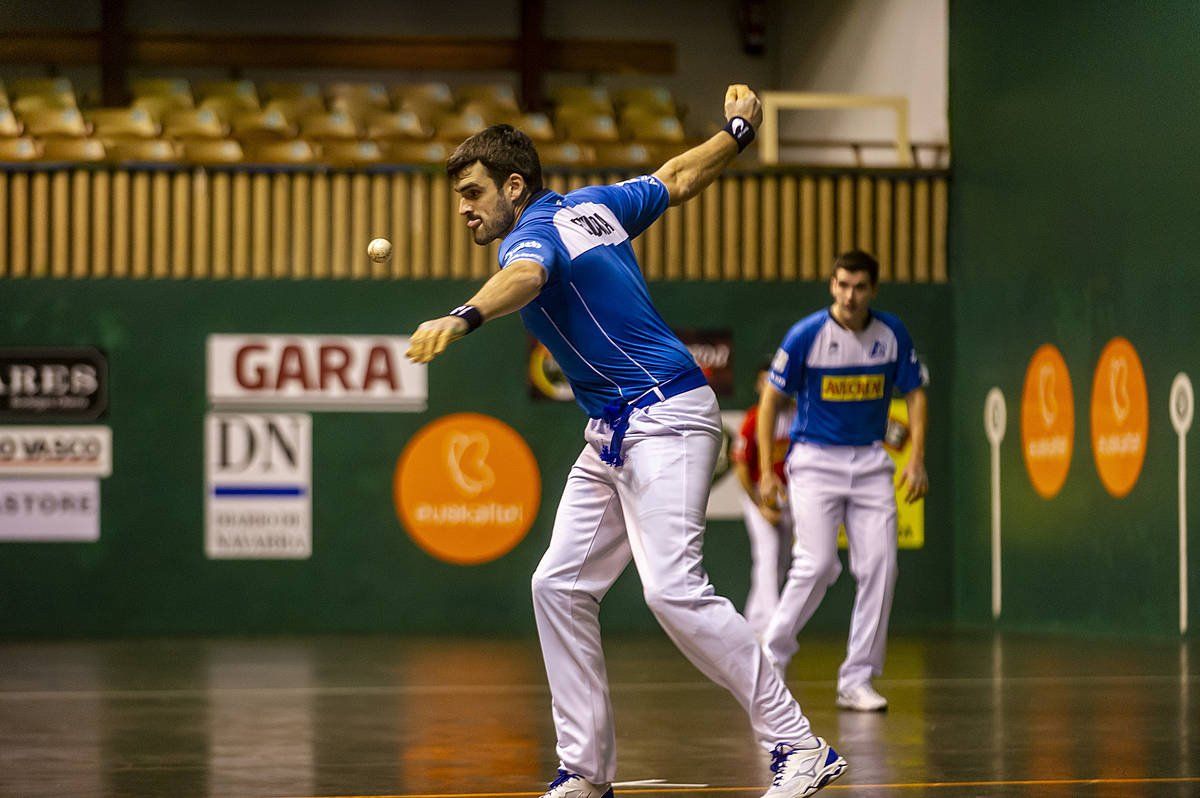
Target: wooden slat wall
304,224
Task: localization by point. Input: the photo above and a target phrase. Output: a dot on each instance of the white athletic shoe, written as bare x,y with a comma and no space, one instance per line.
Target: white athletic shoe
800,772
572,785
861,698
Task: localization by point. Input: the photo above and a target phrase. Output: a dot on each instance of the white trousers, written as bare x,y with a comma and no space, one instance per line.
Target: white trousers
650,510
829,486
770,558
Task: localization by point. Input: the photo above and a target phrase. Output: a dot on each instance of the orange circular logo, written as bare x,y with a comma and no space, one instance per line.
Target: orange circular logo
1047,421
467,488
1120,417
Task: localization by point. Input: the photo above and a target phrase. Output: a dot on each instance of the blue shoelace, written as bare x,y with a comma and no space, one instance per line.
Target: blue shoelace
563,776
779,758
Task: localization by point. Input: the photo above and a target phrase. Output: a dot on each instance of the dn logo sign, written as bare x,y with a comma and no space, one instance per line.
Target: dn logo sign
258,445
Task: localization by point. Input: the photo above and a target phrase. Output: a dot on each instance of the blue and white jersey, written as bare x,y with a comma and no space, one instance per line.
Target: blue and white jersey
594,313
842,379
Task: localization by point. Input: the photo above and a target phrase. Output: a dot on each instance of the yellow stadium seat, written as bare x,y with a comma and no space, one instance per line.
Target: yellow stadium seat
194,123
125,123
73,149
652,129
587,127
297,151
262,126
45,87
416,152
495,95
337,125
623,156
226,107
241,93
143,151
535,125
565,153
351,153
292,90
593,99
38,102
161,87
491,114
431,96
3,95
654,98
345,96
158,106
55,122
212,152
456,127
402,124
10,127
296,108
22,149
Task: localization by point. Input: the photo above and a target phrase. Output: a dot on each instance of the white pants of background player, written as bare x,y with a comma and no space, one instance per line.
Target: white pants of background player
770,558
829,486
650,510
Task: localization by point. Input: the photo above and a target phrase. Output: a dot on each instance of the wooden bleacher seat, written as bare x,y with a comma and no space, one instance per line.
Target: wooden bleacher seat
159,106
39,102
416,152
10,126
652,129
296,108
429,96
79,150
457,126
122,123
19,150
402,124
351,153
333,126
226,107
535,125
194,123
57,122
42,87
296,151
262,126
143,151
212,152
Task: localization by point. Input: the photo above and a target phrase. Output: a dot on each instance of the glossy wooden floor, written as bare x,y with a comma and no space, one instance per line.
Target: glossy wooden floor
970,716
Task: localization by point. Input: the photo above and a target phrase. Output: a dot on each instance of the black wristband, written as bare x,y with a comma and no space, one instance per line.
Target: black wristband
741,130
470,314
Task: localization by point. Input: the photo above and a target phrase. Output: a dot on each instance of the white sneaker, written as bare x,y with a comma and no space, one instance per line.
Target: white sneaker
800,772
861,698
572,785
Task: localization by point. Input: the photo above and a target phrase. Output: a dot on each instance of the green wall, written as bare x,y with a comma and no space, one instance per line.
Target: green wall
1072,221
148,573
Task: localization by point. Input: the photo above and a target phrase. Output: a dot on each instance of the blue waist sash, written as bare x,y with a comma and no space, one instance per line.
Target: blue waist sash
616,414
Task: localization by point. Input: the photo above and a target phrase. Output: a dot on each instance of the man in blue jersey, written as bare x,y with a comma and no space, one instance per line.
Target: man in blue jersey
639,489
842,364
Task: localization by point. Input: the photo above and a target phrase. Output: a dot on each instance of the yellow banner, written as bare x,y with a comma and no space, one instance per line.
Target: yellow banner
910,518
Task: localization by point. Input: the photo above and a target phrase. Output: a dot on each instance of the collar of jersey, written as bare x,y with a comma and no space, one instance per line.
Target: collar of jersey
870,318
541,198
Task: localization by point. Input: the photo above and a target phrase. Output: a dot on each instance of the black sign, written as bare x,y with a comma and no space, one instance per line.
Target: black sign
38,384
713,351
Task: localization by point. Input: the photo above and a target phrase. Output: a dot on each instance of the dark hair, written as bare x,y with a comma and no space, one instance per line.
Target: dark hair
503,150
858,261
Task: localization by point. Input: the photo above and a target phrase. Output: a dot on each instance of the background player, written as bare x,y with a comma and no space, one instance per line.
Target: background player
842,364
640,487
769,528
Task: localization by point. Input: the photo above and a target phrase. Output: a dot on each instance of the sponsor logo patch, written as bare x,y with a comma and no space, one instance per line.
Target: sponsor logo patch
852,388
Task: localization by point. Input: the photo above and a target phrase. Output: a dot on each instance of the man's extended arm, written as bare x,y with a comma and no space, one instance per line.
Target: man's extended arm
770,488
914,476
689,173
508,290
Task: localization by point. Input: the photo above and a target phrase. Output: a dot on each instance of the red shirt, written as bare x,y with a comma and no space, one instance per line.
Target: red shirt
745,447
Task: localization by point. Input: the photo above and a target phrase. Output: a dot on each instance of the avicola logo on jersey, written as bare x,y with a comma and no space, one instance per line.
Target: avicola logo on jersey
852,388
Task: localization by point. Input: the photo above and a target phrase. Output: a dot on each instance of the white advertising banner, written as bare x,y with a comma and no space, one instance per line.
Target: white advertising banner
56,451
258,486
315,372
50,510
